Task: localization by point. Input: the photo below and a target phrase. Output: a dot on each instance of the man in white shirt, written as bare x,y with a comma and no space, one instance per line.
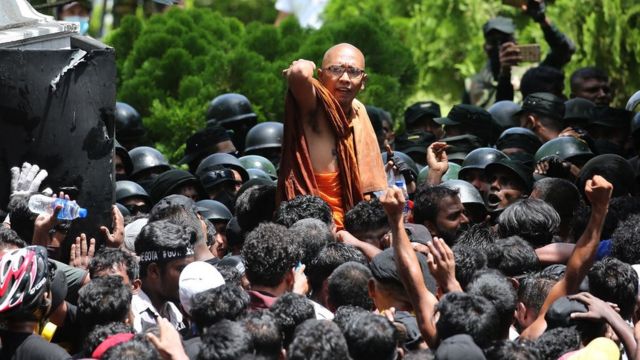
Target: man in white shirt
164,250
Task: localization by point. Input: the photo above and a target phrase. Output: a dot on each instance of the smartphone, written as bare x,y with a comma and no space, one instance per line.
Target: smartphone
530,52
515,3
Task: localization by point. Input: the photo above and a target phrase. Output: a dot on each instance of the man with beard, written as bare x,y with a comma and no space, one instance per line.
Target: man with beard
510,181
439,209
493,82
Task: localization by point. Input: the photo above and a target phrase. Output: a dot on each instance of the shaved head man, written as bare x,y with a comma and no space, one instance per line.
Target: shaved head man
336,140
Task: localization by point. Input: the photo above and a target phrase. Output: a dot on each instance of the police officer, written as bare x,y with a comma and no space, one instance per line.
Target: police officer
518,140
210,140
133,197
420,117
222,175
232,112
219,216
473,167
122,162
466,119
129,128
577,112
265,139
562,157
609,128
542,113
148,163
175,181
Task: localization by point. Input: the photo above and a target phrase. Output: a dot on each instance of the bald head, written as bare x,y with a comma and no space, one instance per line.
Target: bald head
343,54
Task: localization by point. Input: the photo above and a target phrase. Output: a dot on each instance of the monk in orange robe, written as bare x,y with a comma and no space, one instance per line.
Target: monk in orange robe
329,146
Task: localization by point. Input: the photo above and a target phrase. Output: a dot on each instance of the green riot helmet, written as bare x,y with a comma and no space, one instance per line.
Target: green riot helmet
258,174
127,189
450,174
519,138
261,163
567,148
469,197
265,139
230,108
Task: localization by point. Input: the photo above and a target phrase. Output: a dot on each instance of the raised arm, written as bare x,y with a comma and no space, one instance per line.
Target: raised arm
598,191
421,298
299,75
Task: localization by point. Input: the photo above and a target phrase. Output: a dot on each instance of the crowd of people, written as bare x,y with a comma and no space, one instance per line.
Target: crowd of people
503,230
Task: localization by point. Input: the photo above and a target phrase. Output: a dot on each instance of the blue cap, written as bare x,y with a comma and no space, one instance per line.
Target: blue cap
82,213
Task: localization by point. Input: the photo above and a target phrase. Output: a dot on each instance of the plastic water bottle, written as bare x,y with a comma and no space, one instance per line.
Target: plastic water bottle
403,185
41,204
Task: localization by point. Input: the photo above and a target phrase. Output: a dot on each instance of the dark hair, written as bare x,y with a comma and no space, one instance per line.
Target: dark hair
533,290
329,258
626,240
468,261
496,288
138,348
420,354
532,219
102,301
291,310
230,274
318,340
224,302
478,236
615,281
303,207
10,238
346,315
349,285
462,313
542,79
555,342
426,202
561,194
21,218
101,332
586,73
372,336
163,235
226,340
108,258
179,215
513,257
265,333
256,205
512,350
311,235
365,216
268,253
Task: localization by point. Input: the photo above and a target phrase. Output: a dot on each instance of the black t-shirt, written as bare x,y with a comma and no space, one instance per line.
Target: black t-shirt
19,346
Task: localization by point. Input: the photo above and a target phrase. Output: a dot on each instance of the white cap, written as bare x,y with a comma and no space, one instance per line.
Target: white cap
195,278
131,232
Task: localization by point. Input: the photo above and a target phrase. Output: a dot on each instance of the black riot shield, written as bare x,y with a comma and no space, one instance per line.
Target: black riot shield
56,110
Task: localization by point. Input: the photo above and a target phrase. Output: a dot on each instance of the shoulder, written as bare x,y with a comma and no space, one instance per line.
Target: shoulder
35,347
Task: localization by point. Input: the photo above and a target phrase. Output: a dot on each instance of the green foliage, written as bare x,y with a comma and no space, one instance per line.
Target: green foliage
245,10
171,65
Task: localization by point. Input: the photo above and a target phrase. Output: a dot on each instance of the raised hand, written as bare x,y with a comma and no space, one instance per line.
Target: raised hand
442,265
169,343
393,202
116,238
26,180
81,252
598,191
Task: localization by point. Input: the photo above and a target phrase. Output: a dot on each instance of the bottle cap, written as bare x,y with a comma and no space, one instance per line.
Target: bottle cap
400,183
82,213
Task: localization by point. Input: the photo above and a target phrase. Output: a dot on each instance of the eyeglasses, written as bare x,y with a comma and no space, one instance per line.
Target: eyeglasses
337,71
